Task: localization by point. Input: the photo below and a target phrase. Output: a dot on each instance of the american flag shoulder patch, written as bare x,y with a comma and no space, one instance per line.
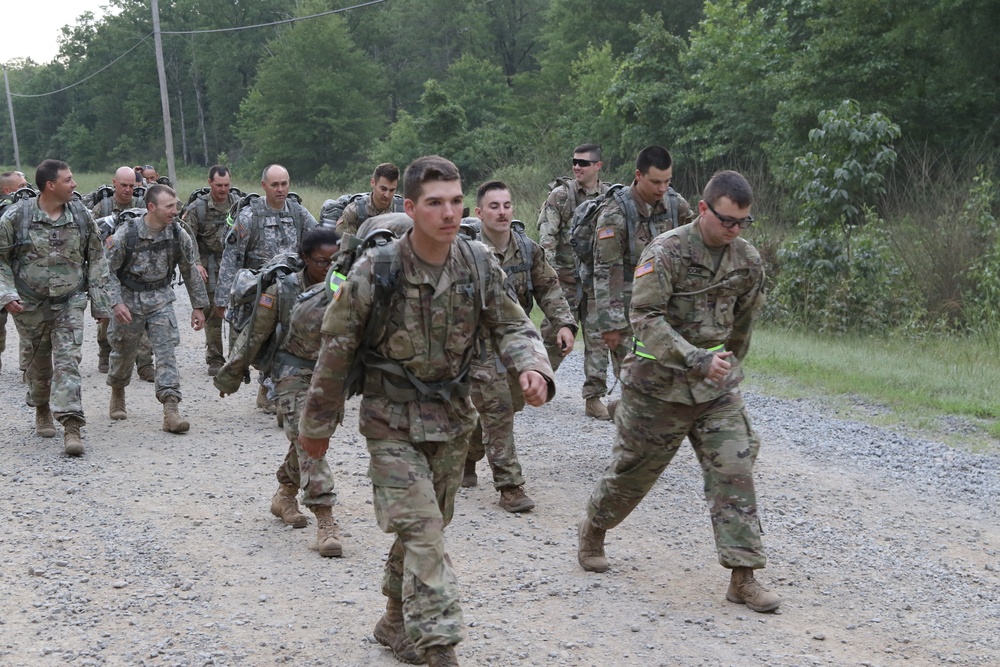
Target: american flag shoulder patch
644,268
266,301
109,242
606,233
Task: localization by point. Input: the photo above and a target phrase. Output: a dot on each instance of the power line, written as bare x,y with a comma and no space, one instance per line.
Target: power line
265,25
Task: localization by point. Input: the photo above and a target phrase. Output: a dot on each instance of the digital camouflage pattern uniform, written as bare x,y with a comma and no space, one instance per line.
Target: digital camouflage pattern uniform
144,358
418,442
291,370
52,273
667,397
496,393
614,262
554,223
205,221
143,285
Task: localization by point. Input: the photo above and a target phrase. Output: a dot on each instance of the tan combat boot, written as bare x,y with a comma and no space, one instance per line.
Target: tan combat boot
597,409
103,361
172,422
44,426
514,499
744,589
441,656
285,507
72,444
270,407
117,408
612,409
327,532
469,478
591,550
389,631
147,374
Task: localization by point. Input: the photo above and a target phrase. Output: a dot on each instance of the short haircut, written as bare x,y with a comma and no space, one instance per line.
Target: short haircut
218,170
263,174
316,237
427,169
489,186
8,178
386,170
154,191
653,156
48,171
593,149
729,184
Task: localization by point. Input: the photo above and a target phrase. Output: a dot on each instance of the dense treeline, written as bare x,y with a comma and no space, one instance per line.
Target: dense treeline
508,87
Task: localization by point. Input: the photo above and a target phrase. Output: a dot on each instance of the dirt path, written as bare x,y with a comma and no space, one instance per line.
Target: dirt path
158,549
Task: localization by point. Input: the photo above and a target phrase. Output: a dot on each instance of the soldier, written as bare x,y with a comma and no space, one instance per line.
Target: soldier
142,256
149,175
412,313
261,230
697,291
286,328
496,393
205,219
554,222
51,250
625,225
123,199
10,182
382,199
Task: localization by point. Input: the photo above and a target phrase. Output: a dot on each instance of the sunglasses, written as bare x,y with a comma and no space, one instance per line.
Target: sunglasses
730,222
577,162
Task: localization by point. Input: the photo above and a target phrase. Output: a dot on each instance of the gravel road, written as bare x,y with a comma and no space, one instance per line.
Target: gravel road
159,549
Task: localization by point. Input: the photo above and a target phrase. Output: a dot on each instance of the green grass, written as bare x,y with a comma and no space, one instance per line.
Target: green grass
888,381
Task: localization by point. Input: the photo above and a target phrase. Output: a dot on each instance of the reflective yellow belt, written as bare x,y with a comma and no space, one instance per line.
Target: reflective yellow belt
637,347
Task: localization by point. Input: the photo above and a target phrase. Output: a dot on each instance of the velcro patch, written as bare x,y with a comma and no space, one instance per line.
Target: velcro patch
243,231
606,233
266,301
644,268
109,242
337,292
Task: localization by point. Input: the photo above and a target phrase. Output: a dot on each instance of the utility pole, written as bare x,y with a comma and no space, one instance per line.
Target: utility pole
13,128
168,134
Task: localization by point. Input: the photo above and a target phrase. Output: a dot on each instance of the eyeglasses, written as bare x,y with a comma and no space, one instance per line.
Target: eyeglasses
730,222
577,162
322,262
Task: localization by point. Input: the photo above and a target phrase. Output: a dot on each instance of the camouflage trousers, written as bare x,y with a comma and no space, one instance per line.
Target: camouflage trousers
496,400
144,354
414,487
213,334
650,432
24,348
160,327
299,469
54,339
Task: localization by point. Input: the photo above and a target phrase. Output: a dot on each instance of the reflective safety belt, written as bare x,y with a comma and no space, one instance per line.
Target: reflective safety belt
638,348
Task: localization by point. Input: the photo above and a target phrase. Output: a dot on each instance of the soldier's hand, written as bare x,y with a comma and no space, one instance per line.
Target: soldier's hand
612,339
220,311
314,447
535,388
14,307
204,273
122,314
197,319
565,339
719,368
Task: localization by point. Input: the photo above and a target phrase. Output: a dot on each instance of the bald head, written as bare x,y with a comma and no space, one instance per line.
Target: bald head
275,182
124,182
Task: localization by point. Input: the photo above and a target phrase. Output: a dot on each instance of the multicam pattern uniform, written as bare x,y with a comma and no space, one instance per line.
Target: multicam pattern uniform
418,447
291,374
613,259
153,261
554,223
55,264
350,219
277,233
667,398
495,392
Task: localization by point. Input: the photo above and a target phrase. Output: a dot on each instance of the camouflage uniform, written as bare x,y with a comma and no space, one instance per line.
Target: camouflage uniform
292,371
614,262
667,397
205,221
351,218
554,222
418,441
495,392
143,285
52,274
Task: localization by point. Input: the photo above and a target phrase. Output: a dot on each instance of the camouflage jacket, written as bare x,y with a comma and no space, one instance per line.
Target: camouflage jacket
432,332
277,232
350,220
110,206
53,263
612,253
153,261
682,307
205,221
554,222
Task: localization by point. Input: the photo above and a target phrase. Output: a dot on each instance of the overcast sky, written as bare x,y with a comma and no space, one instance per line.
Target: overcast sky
32,30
